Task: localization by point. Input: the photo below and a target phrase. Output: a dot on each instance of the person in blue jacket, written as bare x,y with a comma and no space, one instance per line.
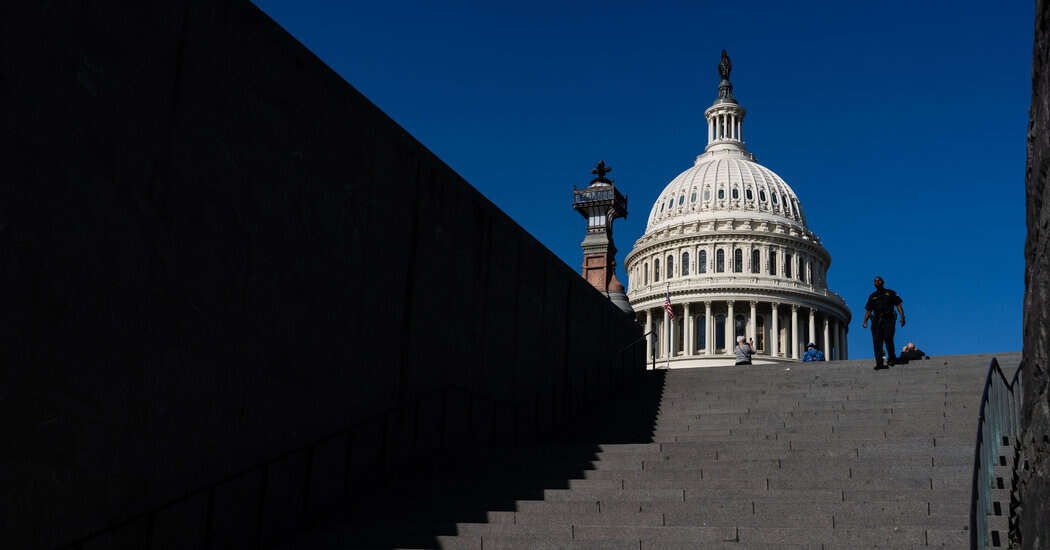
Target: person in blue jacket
812,354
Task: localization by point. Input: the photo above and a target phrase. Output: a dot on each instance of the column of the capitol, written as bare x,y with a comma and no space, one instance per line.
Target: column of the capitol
708,347
774,334
730,329
794,331
687,322
835,339
827,338
812,326
751,326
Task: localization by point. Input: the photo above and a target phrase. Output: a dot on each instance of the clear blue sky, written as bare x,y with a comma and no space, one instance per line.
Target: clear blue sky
900,125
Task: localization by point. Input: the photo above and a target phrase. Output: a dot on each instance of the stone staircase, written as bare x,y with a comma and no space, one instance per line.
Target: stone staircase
792,456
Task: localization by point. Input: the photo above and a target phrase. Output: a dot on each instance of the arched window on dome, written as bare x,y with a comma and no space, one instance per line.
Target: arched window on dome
720,261
670,202
701,263
736,193
802,265
645,268
787,265
738,261
707,194
681,199
720,331
772,262
662,207
761,195
685,264
656,270
670,267
721,194
749,194
693,197
756,261
776,199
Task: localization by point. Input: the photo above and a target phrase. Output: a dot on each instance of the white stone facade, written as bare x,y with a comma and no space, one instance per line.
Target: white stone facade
728,240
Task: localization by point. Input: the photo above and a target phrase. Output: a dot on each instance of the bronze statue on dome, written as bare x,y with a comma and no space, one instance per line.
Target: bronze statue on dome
725,66
725,88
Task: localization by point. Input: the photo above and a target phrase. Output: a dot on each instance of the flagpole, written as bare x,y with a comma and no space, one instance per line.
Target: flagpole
670,330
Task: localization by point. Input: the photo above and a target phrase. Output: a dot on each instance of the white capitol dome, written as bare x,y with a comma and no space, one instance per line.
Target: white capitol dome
728,242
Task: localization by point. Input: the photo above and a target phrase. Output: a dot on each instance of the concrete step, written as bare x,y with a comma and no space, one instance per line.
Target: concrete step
916,467
490,536
531,543
764,514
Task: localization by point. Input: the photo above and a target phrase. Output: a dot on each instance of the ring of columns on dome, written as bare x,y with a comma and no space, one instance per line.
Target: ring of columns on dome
708,328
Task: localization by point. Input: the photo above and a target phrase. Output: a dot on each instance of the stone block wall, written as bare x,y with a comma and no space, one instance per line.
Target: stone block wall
1035,442
216,253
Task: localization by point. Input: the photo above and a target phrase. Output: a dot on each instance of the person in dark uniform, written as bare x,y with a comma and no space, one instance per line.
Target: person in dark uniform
880,308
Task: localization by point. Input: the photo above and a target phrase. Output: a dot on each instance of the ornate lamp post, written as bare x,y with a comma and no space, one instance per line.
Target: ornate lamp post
600,203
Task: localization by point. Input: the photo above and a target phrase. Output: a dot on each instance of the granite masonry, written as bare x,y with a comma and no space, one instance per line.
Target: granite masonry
1035,442
217,252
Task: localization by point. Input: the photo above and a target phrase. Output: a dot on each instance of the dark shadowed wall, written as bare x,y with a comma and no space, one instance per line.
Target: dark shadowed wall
214,250
1035,443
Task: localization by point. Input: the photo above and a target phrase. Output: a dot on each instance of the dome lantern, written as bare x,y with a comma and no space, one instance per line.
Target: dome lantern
725,117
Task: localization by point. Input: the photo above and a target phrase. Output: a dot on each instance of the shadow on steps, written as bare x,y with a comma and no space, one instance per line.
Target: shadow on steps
425,500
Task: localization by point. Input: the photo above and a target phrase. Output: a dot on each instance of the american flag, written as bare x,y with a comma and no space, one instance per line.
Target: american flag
667,305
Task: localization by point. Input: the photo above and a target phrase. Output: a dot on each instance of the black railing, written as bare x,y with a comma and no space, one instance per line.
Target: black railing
582,195
999,423
144,523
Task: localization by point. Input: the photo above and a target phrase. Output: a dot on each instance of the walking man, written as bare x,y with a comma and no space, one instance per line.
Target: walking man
880,308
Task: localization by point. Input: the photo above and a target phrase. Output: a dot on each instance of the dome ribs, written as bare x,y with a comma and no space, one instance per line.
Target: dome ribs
753,185
728,172
735,185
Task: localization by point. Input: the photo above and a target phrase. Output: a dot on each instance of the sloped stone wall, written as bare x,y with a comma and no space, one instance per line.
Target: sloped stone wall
214,249
1035,483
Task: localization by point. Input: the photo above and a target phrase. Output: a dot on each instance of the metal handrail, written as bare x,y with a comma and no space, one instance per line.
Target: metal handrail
1000,415
263,467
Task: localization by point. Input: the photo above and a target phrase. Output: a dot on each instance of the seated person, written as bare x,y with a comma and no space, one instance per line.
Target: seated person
812,353
910,353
